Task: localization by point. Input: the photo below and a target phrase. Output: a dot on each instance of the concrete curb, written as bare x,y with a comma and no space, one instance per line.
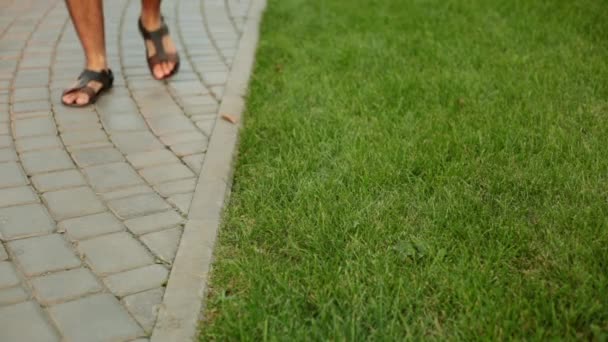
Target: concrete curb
183,302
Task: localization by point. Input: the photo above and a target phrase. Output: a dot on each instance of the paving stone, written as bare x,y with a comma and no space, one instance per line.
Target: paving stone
195,162
46,161
229,53
112,176
218,91
81,126
205,117
177,187
136,71
63,286
83,137
6,141
17,196
24,221
177,138
90,226
88,146
30,82
206,126
133,142
3,254
166,173
74,117
97,156
189,88
7,154
4,128
28,94
34,127
38,143
138,205
144,307
198,100
12,295
11,175
143,87
154,222
181,201
209,111
152,158
170,124
25,322
164,243
116,105
137,280
42,254
185,149
127,253
95,318
158,108
126,192
8,276
31,106
58,180
70,203
31,115
35,61
114,121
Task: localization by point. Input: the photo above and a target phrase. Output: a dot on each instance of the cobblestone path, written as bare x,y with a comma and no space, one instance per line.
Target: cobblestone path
93,201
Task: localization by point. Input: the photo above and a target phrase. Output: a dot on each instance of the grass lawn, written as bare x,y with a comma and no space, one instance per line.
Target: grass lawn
420,169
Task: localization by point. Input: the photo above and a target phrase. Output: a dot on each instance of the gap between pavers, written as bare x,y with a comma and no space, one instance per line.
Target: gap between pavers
183,302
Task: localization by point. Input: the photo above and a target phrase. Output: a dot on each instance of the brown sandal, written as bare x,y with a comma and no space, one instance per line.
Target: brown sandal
161,55
105,77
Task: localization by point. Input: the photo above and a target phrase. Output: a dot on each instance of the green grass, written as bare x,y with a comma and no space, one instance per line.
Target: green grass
420,169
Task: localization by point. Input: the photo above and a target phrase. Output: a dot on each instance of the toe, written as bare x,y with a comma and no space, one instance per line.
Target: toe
158,71
166,68
68,98
171,67
82,99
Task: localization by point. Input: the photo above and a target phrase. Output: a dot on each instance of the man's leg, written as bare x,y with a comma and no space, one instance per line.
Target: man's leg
87,17
151,20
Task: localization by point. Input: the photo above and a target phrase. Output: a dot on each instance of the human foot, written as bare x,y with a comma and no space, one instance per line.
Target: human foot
162,56
88,87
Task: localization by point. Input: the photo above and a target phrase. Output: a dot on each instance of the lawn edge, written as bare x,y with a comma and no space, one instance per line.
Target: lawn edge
184,300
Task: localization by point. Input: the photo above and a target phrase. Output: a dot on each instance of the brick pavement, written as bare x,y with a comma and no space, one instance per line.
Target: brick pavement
93,201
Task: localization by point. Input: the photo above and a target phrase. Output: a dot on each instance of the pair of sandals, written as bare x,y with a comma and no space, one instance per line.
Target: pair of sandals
106,78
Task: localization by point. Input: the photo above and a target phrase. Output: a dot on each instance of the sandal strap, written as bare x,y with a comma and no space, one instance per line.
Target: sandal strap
169,57
89,91
156,37
105,77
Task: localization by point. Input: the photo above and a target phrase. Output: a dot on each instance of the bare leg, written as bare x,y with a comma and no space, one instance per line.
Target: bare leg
150,18
87,17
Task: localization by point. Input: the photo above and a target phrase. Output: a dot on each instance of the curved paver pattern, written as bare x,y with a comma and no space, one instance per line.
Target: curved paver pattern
93,201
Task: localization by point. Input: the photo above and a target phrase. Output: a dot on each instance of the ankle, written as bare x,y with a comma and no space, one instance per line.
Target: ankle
151,20
98,63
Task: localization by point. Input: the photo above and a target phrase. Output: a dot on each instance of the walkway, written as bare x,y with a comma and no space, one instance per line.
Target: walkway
98,233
